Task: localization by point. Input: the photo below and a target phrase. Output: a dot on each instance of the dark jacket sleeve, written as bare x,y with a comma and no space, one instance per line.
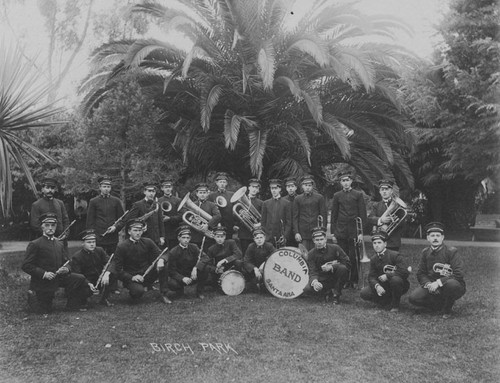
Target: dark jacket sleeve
422,272
288,219
29,265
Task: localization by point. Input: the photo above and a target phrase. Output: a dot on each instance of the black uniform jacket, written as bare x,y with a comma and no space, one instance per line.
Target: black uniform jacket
346,206
318,257
306,209
133,258
229,250
89,263
388,257
256,256
102,213
181,261
43,255
444,255
172,224
273,212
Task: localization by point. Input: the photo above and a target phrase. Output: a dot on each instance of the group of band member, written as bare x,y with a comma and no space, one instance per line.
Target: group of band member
167,241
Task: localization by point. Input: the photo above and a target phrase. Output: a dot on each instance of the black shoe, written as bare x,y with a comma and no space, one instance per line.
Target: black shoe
165,300
117,292
328,296
200,296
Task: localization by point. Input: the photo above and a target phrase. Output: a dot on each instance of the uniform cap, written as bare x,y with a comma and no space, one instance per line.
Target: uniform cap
258,231
434,227
183,230
88,234
202,186
49,182
290,181
387,183
254,182
221,176
104,180
380,234
275,182
318,231
48,218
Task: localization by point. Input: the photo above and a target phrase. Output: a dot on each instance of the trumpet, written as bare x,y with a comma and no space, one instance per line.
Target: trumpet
244,210
195,216
443,269
397,212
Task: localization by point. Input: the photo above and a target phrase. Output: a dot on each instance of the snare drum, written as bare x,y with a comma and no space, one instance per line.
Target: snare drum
286,273
232,282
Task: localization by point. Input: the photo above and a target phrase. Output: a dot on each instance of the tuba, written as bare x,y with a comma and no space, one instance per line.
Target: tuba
397,212
443,269
244,210
195,216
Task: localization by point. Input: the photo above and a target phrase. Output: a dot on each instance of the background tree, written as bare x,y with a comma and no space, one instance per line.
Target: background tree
21,108
120,140
455,103
254,97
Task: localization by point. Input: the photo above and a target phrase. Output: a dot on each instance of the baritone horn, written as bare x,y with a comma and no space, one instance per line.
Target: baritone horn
443,269
166,206
195,216
397,212
244,210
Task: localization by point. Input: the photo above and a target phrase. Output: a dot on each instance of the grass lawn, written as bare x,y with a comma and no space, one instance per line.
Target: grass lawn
255,338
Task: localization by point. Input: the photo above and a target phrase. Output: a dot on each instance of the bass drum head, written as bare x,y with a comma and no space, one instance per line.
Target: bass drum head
286,273
232,282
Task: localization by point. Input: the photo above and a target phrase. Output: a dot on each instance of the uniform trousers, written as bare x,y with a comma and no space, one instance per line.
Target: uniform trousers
444,299
395,287
334,279
76,289
137,290
347,244
113,281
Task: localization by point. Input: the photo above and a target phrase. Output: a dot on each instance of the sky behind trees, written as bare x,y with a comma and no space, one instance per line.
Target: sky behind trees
25,26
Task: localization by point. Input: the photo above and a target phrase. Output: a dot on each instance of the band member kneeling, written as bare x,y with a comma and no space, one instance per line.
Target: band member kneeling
328,267
133,258
440,274
47,262
91,261
255,257
182,264
388,276
222,256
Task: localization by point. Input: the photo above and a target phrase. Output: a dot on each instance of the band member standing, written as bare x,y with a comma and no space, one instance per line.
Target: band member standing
222,256
388,276
154,224
48,204
307,207
171,218
440,274
90,261
226,207
104,210
244,234
46,260
209,207
256,255
348,204
133,256
291,189
328,267
276,216
181,263
385,188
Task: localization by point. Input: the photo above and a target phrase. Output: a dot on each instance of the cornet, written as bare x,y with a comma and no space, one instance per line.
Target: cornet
195,216
443,269
389,269
397,212
244,210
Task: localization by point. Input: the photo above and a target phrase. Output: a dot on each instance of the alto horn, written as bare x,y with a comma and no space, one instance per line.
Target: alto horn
221,201
443,269
195,216
397,212
244,210
166,206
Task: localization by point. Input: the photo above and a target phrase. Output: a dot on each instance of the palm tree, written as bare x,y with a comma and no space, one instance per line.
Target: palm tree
256,96
21,108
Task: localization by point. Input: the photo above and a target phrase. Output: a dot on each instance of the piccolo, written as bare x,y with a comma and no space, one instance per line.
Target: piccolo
66,231
99,280
108,230
154,263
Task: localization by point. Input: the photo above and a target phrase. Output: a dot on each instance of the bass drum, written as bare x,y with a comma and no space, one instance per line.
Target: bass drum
286,273
232,282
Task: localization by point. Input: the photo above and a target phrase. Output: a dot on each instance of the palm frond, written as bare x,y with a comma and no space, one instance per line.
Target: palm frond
258,142
266,61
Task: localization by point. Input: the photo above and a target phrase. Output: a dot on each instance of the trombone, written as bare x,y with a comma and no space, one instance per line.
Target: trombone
362,260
